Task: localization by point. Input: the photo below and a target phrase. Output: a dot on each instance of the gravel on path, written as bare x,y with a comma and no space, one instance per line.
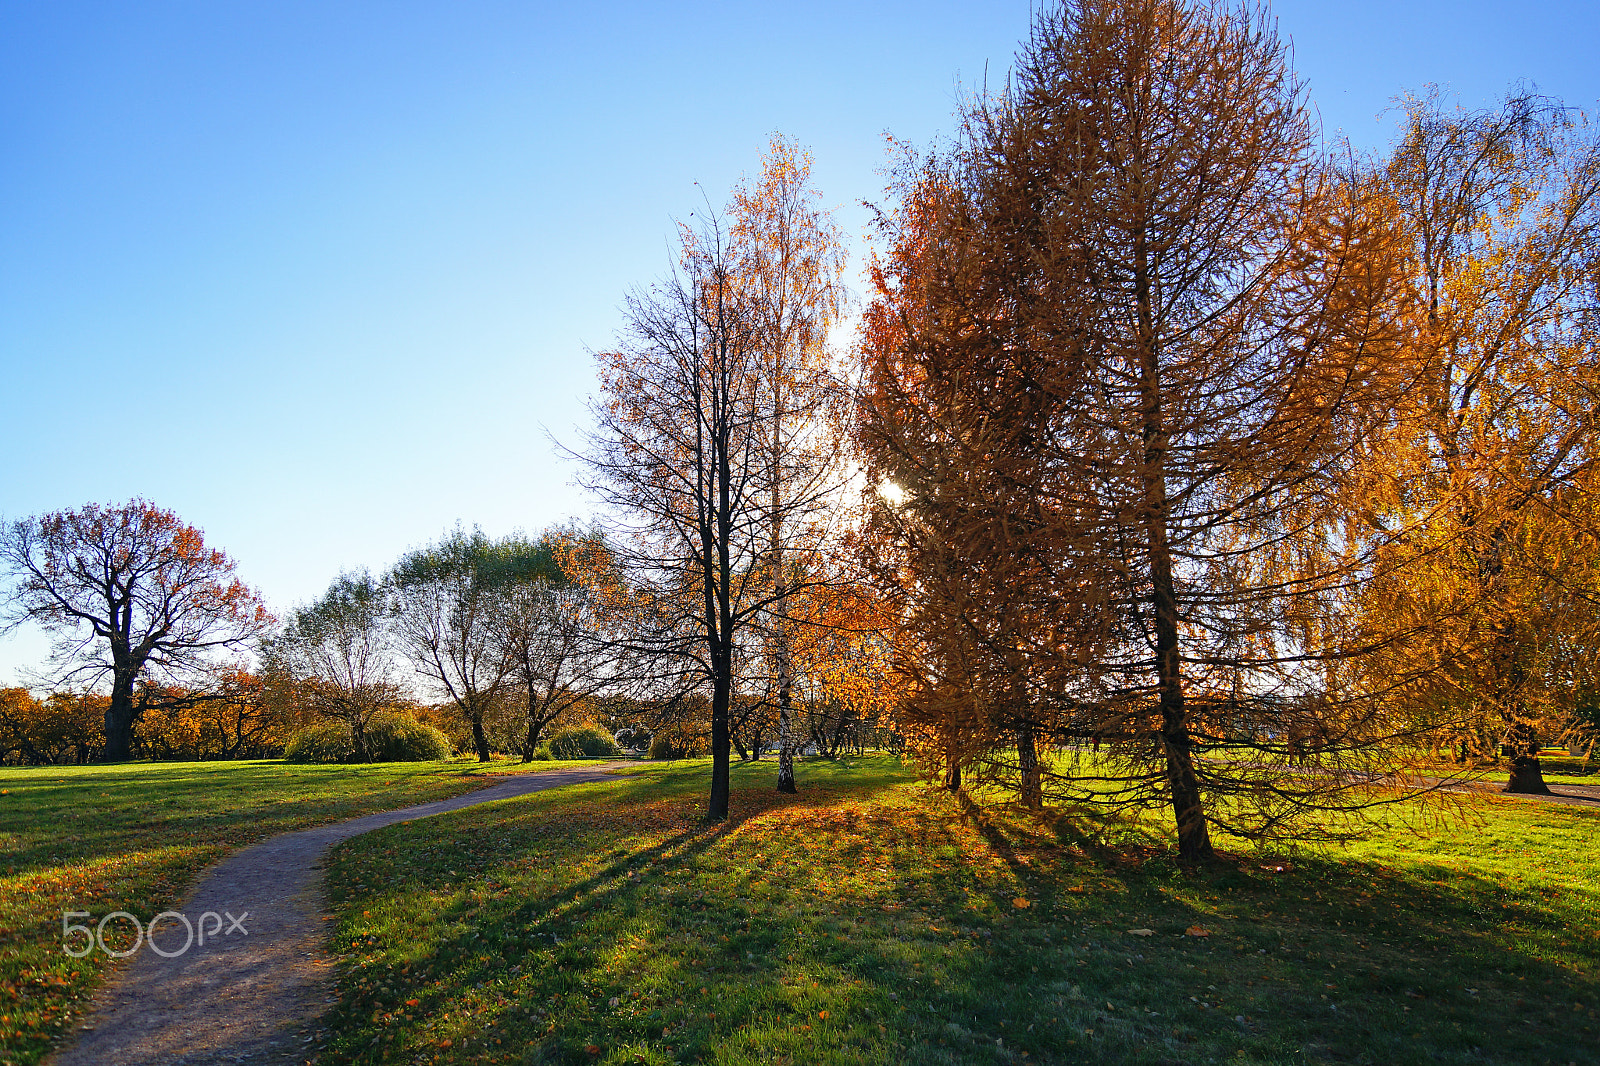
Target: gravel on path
257,987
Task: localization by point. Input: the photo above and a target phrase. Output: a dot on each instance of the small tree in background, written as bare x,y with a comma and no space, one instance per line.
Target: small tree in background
336,656
550,623
446,600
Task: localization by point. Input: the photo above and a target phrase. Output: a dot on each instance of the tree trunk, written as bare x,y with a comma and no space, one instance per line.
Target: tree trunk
738,745
1527,776
480,739
952,768
119,717
1194,839
1028,764
358,737
717,810
785,738
717,556
780,651
535,725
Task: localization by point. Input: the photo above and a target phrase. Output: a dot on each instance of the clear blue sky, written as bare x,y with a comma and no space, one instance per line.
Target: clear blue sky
315,274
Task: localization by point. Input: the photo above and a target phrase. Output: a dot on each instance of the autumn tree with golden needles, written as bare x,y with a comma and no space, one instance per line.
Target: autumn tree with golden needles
1130,334
1491,464
132,594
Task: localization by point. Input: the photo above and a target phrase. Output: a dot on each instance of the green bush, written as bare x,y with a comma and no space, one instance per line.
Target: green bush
676,746
584,740
393,737
542,753
323,742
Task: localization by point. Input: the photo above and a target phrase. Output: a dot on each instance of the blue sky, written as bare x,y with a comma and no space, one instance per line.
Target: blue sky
318,276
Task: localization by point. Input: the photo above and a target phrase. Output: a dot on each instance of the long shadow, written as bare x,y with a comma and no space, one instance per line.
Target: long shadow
1330,960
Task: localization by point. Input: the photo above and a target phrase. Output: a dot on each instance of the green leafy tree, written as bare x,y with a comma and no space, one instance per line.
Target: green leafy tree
336,656
446,599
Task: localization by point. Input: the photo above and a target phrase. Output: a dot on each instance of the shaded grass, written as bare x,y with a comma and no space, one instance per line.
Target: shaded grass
133,836
871,921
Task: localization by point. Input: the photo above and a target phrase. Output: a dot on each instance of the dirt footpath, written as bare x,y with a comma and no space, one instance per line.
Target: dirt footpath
254,992
1563,794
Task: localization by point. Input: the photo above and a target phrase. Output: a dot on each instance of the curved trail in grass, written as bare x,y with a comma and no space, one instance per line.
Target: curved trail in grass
254,996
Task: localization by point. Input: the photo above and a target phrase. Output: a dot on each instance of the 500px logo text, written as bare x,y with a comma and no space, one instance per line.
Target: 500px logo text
208,927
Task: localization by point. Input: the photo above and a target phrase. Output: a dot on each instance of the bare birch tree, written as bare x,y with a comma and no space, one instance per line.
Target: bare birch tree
790,260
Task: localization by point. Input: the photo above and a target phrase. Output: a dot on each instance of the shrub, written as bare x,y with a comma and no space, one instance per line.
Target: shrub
323,742
542,753
393,737
584,740
675,745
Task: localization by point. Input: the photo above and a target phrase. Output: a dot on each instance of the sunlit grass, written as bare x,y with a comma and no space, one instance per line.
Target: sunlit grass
133,836
871,921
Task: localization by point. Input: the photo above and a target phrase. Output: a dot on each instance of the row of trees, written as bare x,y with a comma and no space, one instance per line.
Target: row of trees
486,624
1181,461
153,631
506,637
1270,467
229,714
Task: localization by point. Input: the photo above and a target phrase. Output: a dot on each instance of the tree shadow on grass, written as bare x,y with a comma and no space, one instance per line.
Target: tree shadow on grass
737,944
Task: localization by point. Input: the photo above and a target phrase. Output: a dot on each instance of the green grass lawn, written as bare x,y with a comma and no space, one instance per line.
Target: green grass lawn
133,836
871,921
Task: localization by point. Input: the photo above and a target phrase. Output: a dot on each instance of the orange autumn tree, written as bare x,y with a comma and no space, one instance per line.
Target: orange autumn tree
66,726
233,716
843,664
1491,464
1129,336
132,594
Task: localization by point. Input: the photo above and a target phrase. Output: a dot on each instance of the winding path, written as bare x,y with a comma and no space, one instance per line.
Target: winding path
253,997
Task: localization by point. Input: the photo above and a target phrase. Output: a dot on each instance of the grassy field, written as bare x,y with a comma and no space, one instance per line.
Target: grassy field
869,921
132,837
